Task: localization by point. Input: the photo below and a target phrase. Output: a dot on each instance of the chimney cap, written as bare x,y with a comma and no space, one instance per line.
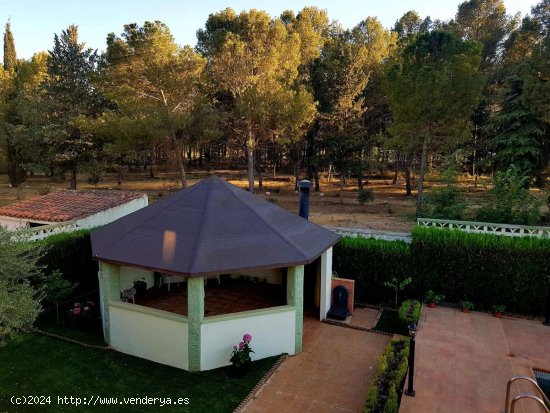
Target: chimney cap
304,184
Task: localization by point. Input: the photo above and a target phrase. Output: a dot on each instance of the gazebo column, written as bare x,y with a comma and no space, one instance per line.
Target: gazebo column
195,314
109,290
326,283
295,297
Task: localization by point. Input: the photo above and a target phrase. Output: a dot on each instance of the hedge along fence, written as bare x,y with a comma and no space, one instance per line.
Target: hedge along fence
485,269
371,262
71,253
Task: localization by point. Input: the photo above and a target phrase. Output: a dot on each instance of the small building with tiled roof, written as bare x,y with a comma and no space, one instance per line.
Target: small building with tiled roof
71,209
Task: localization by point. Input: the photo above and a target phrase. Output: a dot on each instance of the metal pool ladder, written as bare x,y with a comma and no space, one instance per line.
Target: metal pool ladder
542,400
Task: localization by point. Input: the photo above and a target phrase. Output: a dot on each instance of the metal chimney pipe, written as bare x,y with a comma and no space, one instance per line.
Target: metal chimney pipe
304,186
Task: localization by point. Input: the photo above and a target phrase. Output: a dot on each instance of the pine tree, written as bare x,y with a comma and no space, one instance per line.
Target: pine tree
10,58
71,98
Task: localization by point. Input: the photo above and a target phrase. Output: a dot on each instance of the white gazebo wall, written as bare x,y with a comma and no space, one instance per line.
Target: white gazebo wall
272,330
151,334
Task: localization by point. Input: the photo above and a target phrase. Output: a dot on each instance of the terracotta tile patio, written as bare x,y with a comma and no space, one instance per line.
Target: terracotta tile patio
463,361
231,296
331,375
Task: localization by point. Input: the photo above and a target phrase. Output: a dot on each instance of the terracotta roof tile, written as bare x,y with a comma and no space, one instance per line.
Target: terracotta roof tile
68,205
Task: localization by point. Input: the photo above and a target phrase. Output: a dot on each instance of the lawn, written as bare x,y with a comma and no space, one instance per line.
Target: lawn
42,366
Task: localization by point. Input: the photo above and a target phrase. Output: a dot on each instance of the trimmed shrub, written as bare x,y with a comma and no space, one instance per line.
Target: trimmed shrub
71,254
385,391
372,263
409,312
488,269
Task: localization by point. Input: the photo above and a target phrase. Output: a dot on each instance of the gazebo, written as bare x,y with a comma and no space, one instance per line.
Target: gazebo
210,229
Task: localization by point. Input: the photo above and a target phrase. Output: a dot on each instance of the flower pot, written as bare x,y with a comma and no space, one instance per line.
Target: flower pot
498,314
432,305
465,310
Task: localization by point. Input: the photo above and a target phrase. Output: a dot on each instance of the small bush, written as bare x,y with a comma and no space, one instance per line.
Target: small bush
409,312
385,390
510,201
446,202
364,196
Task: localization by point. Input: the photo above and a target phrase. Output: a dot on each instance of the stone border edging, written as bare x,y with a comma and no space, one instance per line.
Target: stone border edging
340,324
69,340
242,405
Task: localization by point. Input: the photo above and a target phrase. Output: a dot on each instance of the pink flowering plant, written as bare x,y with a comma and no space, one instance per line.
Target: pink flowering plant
241,353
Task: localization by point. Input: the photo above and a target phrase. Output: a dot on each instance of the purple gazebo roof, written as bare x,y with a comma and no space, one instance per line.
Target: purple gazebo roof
210,228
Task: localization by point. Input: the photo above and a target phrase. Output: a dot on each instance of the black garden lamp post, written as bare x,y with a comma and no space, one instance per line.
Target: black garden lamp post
413,330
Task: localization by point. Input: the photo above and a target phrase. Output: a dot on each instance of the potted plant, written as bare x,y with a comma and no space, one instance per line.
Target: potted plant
240,357
432,299
498,310
466,306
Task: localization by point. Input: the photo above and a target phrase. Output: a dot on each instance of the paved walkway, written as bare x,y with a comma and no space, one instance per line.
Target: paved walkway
463,361
331,375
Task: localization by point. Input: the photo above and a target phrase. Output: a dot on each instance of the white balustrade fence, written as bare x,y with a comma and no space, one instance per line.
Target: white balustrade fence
486,228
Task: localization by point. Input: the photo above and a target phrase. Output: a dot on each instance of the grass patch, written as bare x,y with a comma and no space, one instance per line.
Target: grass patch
36,365
390,322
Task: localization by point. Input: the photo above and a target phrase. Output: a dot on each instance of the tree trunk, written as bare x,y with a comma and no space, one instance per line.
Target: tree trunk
474,156
423,164
360,179
151,171
181,164
394,180
119,177
316,176
250,156
408,186
73,178
260,177
341,189
296,174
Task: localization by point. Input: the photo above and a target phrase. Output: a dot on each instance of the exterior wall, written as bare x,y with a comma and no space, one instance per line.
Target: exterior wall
129,274
112,214
350,285
272,333
151,334
109,291
326,283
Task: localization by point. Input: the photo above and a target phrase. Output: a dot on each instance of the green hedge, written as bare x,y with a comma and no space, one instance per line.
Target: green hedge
485,269
71,253
385,391
409,312
371,262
